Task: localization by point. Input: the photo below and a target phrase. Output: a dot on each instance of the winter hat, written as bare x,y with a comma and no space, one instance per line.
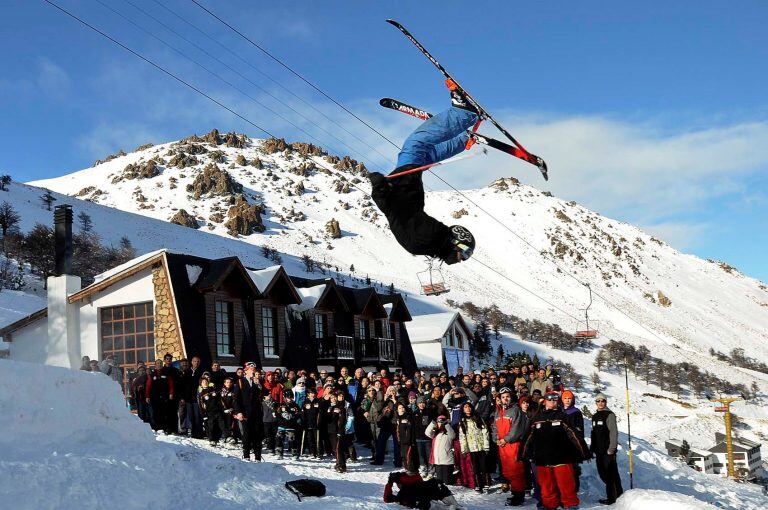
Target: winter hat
412,395
601,396
421,400
442,419
568,394
301,380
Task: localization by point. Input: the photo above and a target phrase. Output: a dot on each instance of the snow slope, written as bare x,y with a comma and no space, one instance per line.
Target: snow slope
712,305
71,443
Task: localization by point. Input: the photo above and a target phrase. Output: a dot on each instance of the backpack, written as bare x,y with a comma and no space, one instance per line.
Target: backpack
306,487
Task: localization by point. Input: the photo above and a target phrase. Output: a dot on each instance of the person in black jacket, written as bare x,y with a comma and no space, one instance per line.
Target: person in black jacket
406,428
288,417
401,199
604,443
554,447
310,419
209,399
159,394
423,444
248,412
228,407
575,420
336,422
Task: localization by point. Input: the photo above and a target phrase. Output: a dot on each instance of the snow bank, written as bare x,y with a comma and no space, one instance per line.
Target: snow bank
68,441
639,499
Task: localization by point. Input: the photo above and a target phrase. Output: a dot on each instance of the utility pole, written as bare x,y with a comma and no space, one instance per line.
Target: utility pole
629,428
725,408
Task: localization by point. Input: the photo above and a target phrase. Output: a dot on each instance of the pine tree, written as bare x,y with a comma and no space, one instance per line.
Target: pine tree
309,264
595,377
5,180
127,251
86,223
367,280
535,360
755,389
47,199
38,250
685,450
352,268
500,356
391,289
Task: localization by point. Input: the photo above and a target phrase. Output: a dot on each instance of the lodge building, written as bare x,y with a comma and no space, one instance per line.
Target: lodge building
217,309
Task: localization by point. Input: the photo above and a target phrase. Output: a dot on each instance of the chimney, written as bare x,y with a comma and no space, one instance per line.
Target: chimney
62,220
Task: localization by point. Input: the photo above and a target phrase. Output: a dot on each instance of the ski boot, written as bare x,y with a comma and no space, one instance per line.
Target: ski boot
459,100
516,499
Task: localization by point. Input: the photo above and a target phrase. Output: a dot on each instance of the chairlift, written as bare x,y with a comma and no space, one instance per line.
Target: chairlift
587,332
431,280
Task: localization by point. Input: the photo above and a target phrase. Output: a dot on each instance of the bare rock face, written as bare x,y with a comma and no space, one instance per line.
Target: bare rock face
218,156
118,154
503,183
340,186
458,214
145,170
307,149
184,219
333,229
143,147
182,160
273,145
240,160
243,218
234,140
658,297
352,165
214,181
214,138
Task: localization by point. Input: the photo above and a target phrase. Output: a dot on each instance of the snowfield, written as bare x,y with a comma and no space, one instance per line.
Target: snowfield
72,443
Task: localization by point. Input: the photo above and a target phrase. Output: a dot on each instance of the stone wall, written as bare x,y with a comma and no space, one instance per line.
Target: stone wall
167,337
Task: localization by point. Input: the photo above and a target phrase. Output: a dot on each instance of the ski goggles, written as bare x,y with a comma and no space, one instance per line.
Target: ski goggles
465,252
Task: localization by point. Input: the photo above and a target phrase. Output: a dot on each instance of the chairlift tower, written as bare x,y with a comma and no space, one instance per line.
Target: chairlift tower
725,408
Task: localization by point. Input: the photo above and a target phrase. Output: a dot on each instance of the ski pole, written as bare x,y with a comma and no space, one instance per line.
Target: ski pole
438,163
629,427
301,449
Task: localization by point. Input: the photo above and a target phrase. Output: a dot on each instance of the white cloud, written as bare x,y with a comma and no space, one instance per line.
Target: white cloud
52,80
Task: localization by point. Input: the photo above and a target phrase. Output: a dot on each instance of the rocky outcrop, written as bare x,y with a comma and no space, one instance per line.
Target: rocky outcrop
240,160
118,154
145,170
504,183
458,214
183,218
182,160
352,165
274,145
143,147
243,218
214,138
235,140
218,156
307,149
333,229
214,181
659,298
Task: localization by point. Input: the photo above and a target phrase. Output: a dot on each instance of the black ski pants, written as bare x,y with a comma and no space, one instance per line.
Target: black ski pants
252,431
609,474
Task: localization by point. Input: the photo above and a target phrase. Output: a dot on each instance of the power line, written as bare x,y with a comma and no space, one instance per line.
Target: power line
241,75
159,67
213,73
267,76
299,76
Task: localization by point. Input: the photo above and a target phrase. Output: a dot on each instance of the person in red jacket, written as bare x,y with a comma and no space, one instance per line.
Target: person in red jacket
507,430
274,387
555,447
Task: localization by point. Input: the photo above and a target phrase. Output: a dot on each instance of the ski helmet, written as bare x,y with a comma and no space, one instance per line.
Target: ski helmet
463,240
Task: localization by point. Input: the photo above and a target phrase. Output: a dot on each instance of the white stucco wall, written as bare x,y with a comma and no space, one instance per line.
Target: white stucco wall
31,344
134,289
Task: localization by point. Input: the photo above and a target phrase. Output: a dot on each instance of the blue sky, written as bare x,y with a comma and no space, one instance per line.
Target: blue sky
656,115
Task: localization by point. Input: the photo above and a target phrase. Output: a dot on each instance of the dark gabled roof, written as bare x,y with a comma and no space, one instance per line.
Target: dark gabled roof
29,319
216,272
280,286
360,300
400,312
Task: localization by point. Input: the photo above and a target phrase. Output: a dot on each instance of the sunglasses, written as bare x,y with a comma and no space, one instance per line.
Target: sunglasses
601,400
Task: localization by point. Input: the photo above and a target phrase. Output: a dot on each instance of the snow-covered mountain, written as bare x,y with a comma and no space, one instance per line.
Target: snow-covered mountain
284,195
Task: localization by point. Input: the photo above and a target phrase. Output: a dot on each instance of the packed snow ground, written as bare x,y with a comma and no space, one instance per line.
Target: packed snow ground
72,443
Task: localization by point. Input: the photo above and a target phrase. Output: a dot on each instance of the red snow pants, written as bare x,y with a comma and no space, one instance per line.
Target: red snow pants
558,486
511,468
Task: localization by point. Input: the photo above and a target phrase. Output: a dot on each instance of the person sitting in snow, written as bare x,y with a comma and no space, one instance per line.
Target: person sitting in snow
414,492
401,199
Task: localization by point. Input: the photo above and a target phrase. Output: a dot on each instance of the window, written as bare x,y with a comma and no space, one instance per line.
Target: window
321,325
459,339
128,332
225,335
378,329
387,329
269,330
363,328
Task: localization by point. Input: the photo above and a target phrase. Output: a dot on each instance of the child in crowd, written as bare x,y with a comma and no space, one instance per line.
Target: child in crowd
441,455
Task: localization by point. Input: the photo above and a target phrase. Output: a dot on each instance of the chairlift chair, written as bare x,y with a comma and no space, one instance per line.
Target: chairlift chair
586,331
431,280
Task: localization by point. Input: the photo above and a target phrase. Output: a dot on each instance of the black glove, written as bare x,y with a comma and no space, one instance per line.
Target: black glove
394,477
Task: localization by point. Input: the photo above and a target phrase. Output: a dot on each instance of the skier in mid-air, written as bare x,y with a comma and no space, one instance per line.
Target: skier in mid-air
401,199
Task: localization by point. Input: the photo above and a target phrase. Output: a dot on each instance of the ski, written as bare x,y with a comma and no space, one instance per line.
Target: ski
530,158
394,104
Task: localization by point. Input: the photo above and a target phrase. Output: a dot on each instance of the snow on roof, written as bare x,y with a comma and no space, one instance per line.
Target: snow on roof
430,327
309,297
125,265
263,277
428,355
193,273
388,307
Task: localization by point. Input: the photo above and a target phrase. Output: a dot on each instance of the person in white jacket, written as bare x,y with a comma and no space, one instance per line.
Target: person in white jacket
441,454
